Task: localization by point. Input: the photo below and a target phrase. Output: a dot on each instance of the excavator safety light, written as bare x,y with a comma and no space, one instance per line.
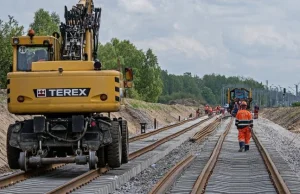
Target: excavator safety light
128,74
103,97
31,33
16,41
20,98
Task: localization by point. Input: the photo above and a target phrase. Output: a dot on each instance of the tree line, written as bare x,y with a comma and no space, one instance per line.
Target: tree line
151,83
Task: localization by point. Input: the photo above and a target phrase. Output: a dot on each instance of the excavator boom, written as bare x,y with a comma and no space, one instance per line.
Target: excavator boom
80,32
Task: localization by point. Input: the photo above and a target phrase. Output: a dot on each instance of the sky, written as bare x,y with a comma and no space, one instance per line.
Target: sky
259,39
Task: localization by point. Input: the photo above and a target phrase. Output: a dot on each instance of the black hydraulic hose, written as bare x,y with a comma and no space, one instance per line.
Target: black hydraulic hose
68,140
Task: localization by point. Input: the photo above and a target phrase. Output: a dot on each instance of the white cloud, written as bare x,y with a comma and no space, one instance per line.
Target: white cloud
138,6
262,41
188,46
259,38
267,35
176,26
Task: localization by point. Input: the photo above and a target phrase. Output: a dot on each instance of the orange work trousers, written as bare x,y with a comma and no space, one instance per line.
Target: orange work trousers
245,135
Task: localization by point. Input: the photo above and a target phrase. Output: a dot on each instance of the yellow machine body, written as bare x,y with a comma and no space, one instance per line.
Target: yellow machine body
62,80
64,92
242,94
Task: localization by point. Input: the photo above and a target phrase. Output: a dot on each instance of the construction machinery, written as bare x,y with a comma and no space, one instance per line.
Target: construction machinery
60,82
237,95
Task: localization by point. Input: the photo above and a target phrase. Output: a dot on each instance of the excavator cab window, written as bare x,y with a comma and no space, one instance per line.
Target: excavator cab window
28,54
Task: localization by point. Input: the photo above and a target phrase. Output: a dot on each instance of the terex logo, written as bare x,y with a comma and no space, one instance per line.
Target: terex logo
62,92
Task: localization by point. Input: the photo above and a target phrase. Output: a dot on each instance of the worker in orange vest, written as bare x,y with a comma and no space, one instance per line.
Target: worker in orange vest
210,110
256,109
244,123
198,112
206,109
218,109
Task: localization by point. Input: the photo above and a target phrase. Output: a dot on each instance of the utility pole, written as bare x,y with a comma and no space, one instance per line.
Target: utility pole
277,97
259,98
119,65
270,97
296,89
283,96
222,97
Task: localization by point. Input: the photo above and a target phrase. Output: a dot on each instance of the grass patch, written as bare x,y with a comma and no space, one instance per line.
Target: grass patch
138,105
2,98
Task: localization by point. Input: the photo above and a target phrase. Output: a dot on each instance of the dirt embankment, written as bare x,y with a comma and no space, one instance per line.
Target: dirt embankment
287,117
134,112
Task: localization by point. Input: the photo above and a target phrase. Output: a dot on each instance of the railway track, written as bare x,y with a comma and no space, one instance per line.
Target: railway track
145,135
164,184
252,171
152,146
287,172
185,180
221,169
70,177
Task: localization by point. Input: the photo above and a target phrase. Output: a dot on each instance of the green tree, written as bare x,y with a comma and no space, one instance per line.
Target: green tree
150,85
208,95
145,67
45,23
8,30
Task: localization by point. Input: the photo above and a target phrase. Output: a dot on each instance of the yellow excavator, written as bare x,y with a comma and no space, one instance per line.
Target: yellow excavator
60,82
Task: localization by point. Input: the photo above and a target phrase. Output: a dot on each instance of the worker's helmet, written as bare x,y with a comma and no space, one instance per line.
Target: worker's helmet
244,103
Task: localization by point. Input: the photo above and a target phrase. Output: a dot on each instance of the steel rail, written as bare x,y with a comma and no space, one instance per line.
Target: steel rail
154,132
163,140
275,176
93,174
202,179
206,131
21,176
167,180
79,181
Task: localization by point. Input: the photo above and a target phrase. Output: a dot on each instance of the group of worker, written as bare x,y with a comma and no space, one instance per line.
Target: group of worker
243,122
209,109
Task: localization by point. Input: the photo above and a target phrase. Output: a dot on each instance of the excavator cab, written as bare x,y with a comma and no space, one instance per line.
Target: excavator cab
30,49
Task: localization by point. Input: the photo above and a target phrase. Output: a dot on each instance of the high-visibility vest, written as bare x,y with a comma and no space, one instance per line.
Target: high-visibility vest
243,119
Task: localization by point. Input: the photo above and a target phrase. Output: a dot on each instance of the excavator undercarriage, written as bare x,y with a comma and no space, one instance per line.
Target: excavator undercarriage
95,140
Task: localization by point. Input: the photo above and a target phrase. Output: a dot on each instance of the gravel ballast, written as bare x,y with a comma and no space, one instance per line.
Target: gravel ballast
144,181
282,144
286,143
